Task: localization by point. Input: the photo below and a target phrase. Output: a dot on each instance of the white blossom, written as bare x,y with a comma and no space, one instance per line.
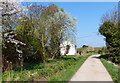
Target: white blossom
11,38
6,34
13,7
8,41
19,51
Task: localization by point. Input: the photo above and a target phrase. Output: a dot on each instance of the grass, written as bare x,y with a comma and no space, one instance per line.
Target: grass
69,72
112,69
68,64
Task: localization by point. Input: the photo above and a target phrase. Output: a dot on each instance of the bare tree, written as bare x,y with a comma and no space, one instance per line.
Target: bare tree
111,15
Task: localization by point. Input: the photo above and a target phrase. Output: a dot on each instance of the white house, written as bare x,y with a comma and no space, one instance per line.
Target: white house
72,50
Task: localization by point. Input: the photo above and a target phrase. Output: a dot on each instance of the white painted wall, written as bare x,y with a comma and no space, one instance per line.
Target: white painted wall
72,50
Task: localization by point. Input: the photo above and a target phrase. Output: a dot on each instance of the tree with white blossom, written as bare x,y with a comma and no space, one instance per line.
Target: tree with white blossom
11,10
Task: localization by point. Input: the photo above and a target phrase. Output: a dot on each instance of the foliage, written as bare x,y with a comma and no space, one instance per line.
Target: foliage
14,53
60,30
41,70
111,32
110,29
97,49
85,49
102,50
10,11
11,46
37,29
113,70
84,46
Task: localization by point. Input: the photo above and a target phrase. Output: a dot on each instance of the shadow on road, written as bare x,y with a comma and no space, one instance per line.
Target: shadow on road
96,57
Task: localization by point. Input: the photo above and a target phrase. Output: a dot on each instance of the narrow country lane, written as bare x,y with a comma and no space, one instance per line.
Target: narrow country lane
92,70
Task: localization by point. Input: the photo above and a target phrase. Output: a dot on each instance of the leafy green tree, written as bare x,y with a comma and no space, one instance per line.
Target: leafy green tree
44,30
61,25
31,30
111,30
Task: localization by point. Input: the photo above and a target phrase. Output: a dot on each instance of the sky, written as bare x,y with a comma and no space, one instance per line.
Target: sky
88,16
71,0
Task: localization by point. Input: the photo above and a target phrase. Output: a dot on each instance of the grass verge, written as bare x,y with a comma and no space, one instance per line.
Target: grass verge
112,69
69,72
44,71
